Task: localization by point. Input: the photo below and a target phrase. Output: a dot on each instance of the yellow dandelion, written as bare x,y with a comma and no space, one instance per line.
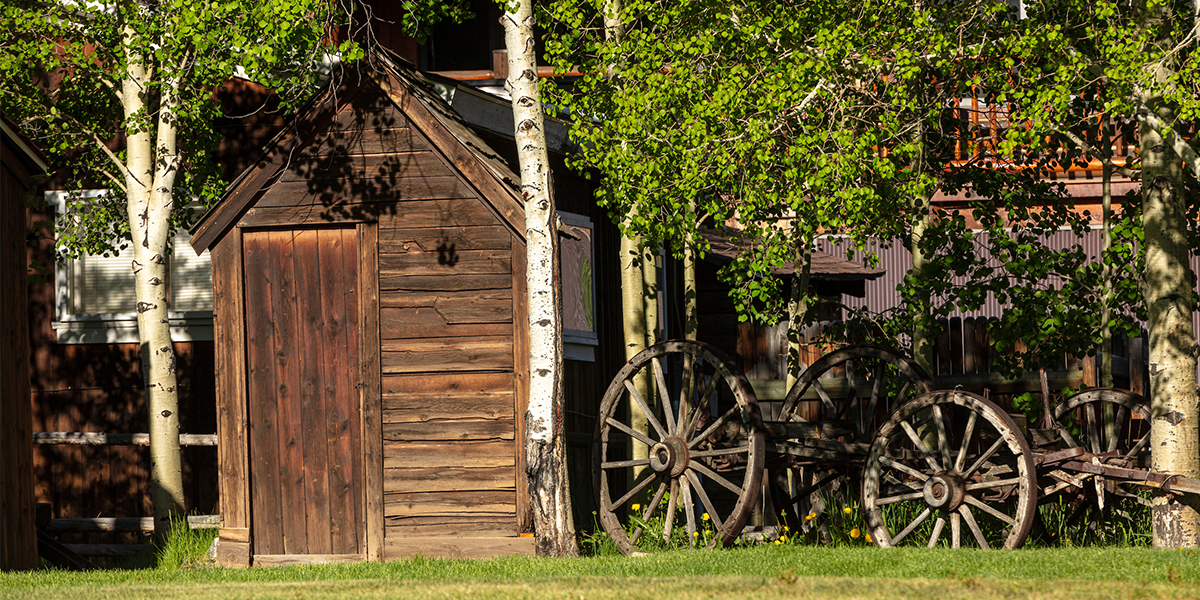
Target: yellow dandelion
854,533
777,542
785,528
783,538
704,516
695,534
810,516
847,510
636,507
868,538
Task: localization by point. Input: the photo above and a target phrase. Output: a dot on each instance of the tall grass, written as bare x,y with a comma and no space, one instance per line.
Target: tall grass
184,547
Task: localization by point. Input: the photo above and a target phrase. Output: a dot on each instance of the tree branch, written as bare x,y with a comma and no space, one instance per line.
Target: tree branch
1097,154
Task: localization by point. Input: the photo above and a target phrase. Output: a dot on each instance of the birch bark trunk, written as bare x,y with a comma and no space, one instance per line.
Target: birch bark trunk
149,178
1167,291
545,442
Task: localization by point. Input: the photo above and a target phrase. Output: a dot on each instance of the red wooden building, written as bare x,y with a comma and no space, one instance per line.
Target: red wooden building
20,161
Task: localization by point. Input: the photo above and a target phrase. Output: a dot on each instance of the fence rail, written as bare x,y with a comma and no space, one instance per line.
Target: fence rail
79,438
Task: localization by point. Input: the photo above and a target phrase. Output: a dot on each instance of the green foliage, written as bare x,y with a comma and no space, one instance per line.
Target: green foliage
63,64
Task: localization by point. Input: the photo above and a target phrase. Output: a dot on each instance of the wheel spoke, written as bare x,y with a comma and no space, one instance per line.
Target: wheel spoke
665,396
689,510
633,393
900,498
911,526
899,466
937,531
984,457
1093,431
719,452
650,475
981,505
637,435
711,428
966,441
669,523
646,514
1138,446
973,526
955,530
920,446
939,422
708,505
686,389
1117,430
824,396
876,391
700,409
619,464
729,485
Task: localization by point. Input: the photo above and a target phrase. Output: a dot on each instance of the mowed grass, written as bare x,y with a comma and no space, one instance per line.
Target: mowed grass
763,572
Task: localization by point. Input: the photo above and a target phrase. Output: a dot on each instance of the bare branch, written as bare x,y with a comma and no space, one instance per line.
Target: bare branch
1097,154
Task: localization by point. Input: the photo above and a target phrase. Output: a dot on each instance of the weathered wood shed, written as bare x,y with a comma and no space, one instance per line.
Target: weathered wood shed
19,162
368,279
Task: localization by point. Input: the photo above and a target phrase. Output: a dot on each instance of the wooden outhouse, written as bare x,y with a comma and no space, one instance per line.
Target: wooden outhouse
368,279
19,162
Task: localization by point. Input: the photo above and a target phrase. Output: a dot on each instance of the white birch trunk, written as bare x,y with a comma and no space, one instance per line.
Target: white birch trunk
545,442
1167,291
150,175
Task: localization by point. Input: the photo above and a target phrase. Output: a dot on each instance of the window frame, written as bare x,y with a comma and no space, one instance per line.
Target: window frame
73,327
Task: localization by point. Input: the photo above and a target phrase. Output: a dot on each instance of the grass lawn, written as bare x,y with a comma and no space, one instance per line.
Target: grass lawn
764,572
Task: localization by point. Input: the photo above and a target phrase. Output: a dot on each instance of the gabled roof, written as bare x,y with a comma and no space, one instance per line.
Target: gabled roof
33,157
479,164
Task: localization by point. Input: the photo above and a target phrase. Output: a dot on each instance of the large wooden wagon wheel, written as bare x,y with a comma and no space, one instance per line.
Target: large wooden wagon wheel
1122,439
858,386
949,458
678,460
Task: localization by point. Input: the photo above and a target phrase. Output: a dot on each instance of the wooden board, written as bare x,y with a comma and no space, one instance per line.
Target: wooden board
459,548
265,483
362,190
447,261
401,455
422,407
462,479
287,560
449,503
478,525
429,322
521,373
365,141
490,237
442,547
233,554
439,355
290,422
414,213
449,430
383,168
371,386
388,285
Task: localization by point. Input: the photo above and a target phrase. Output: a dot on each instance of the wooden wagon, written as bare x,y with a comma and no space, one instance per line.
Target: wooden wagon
683,455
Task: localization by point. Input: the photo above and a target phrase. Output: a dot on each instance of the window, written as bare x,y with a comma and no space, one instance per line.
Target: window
95,294
575,251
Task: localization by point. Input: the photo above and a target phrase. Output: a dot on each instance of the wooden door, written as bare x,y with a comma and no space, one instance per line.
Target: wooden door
306,462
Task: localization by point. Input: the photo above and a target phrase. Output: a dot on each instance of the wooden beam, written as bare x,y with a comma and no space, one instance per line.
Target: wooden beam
443,547
79,438
371,394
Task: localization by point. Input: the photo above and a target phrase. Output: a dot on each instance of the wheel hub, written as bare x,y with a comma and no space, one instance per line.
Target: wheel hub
944,490
669,455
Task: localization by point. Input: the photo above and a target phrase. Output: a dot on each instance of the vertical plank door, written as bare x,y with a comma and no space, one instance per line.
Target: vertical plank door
302,337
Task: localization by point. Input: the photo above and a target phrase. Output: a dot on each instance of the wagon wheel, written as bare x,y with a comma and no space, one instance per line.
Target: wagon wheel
858,385
855,387
693,470
949,457
1125,440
